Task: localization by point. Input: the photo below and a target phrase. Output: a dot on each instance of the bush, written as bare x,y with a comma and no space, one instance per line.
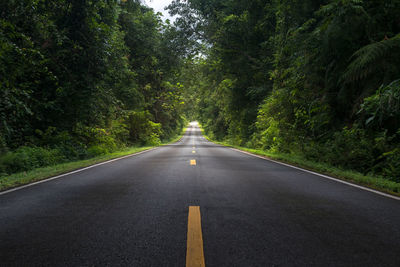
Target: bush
153,140
71,146
93,136
120,132
348,149
28,158
351,149
390,166
355,149
142,130
3,146
382,109
97,150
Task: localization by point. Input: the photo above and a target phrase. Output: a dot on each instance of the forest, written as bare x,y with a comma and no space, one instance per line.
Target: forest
84,78
319,79
310,78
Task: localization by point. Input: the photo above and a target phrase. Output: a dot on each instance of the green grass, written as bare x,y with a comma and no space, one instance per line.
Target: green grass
377,183
18,179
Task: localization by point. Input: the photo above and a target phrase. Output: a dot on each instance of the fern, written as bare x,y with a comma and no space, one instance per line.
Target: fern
383,105
340,8
370,57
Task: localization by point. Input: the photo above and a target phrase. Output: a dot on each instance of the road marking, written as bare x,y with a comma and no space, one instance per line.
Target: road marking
321,175
193,152
76,171
194,147
194,249
192,162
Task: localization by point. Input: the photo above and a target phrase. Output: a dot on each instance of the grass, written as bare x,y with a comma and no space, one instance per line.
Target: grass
22,178
377,183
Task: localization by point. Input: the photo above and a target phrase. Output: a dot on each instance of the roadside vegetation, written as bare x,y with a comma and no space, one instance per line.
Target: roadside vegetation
317,81
372,181
56,168
81,80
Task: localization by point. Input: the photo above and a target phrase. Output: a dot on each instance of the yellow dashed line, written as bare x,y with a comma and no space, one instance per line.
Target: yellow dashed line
193,152
194,249
192,162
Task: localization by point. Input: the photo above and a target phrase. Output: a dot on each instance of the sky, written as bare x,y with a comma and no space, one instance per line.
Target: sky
158,6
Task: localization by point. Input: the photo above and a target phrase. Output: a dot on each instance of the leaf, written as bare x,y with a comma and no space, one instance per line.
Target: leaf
369,120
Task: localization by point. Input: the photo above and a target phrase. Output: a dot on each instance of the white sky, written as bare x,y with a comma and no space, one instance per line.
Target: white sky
158,6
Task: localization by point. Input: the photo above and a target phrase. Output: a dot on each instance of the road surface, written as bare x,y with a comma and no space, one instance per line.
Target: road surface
253,212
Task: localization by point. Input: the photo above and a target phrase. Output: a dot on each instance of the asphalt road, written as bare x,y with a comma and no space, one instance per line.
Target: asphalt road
134,212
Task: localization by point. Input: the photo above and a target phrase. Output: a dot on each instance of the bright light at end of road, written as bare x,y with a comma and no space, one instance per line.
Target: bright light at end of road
194,123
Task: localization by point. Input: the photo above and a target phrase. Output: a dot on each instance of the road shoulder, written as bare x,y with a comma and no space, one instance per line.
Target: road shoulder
374,184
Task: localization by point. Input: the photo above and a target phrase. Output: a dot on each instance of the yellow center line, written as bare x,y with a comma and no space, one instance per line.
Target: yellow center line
192,162
193,152
194,249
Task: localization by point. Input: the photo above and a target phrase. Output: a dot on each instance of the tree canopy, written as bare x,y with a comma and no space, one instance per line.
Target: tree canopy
86,77
316,78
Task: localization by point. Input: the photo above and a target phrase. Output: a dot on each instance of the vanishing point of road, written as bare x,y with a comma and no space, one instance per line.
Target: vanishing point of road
196,203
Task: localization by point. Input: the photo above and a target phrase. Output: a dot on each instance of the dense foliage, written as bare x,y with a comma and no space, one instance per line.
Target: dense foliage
316,78
80,78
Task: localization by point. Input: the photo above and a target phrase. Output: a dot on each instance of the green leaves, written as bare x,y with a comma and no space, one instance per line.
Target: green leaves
382,109
375,57
291,75
84,65
286,75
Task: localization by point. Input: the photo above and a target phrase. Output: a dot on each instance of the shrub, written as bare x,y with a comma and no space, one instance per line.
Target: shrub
3,145
28,158
97,150
71,147
390,166
382,109
349,149
93,136
120,132
142,130
153,140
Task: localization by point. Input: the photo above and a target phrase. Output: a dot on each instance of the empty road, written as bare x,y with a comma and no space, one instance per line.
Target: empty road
253,212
